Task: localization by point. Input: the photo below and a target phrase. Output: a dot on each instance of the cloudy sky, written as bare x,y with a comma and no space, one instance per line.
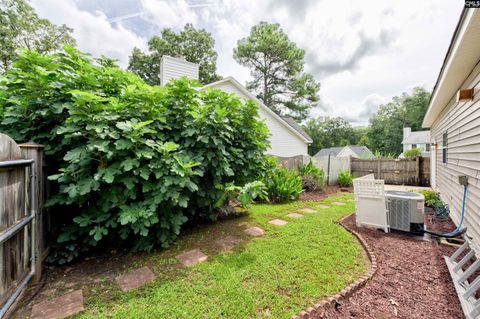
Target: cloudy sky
362,52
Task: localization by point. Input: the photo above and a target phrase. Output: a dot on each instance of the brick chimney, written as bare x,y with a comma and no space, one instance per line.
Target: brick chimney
175,68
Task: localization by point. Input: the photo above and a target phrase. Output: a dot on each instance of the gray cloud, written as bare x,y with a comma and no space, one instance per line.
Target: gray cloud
368,46
298,8
369,107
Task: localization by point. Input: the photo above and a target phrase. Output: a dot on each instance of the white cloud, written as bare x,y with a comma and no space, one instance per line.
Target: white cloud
362,52
169,13
93,32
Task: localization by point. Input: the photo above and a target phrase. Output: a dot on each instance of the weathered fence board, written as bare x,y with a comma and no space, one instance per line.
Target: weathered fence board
14,257
332,166
405,171
21,219
294,161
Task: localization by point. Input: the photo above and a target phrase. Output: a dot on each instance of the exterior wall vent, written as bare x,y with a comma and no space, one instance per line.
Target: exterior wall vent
175,68
465,95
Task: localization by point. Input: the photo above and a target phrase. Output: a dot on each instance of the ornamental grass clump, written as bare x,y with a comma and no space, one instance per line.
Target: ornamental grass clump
130,163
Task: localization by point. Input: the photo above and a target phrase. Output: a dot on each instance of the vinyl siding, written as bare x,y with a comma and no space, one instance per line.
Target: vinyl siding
461,122
174,68
283,142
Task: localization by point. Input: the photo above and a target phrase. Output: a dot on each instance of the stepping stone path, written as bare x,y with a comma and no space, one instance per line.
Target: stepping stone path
135,278
295,215
323,206
338,203
61,307
228,243
278,222
254,231
308,210
191,257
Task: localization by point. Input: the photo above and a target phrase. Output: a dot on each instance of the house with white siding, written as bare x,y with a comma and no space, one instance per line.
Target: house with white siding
416,139
453,117
287,138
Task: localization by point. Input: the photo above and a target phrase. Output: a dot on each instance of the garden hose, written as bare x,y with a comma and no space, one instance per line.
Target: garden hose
458,231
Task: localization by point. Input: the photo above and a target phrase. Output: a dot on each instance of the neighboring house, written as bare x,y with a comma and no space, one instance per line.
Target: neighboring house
356,151
418,139
287,137
453,117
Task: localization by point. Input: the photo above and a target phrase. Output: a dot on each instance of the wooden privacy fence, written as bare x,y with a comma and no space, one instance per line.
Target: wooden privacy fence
294,161
405,171
329,164
22,244
332,165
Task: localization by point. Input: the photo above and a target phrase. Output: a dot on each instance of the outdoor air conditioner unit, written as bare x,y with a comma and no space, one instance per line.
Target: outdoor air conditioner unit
405,210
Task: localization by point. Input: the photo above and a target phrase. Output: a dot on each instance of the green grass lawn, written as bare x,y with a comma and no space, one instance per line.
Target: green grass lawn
274,276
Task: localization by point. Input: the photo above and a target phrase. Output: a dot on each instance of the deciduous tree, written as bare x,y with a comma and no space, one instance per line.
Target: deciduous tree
194,45
385,132
21,28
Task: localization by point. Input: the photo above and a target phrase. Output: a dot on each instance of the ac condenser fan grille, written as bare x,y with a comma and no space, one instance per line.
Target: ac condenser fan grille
399,214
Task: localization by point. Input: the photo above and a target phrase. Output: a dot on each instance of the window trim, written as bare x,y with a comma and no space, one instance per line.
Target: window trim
444,148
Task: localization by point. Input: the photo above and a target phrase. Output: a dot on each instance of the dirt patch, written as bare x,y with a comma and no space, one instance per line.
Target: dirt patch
412,280
322,194
96,274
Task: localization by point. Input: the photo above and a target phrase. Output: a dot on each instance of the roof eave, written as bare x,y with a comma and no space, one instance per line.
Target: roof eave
453,71
260,103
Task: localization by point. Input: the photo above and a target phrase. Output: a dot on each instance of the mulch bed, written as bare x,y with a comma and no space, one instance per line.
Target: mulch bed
324,193
412,280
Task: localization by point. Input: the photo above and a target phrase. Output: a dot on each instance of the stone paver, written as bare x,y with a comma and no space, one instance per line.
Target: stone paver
338,203
61,307
135,278
278,222
295,215
323,206
308,210
228,243
254,231
191,257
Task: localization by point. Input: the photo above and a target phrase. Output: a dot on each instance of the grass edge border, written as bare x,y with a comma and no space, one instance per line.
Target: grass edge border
317,310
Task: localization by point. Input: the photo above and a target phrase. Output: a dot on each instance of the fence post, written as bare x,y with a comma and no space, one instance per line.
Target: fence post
379,164
417,170
328,170
35,151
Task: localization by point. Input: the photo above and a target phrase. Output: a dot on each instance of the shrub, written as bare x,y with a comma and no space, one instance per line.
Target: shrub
283,185
313,177
432,199
345,179
247,194
131,162
414,152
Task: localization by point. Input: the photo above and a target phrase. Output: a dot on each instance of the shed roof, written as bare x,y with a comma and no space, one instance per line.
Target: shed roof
360,150
329,151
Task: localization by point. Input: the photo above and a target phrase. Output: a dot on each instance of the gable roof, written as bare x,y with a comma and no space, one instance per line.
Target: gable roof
296,126
418,137
462,56
329,151
287,122
360,150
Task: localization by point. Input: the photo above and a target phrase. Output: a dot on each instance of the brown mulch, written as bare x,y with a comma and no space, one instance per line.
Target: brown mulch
412,280
324,193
